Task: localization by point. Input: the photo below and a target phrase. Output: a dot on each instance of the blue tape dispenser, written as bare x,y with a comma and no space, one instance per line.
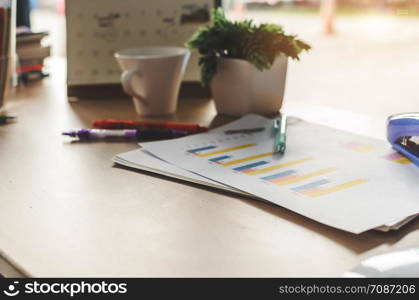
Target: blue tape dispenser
403,134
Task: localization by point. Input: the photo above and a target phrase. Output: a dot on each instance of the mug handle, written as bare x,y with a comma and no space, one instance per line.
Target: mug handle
126,79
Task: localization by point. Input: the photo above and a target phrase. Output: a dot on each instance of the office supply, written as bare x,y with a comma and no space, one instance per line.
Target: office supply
4,118
318,177
245,131
280,127
143,160
403,134
97,134
96,29
118,124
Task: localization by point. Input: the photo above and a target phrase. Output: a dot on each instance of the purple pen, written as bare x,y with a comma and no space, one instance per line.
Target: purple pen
97,134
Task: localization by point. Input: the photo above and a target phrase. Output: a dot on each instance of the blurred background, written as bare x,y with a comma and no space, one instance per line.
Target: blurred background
365,54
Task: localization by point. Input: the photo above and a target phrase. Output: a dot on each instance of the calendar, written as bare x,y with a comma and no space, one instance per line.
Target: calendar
96,29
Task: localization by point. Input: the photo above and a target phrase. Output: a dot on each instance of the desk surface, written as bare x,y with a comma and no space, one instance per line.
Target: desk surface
66,210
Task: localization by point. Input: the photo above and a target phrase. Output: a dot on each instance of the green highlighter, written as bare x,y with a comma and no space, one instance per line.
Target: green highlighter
280,129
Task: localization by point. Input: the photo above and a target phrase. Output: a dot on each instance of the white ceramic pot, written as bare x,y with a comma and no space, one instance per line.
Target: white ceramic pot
239,88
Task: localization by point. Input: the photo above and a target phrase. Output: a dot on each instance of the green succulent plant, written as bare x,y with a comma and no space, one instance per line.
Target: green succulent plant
257,44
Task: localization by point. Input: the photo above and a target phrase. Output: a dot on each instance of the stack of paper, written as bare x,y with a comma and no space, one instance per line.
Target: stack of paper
340,179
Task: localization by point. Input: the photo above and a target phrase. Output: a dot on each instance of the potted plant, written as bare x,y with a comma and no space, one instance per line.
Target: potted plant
245,64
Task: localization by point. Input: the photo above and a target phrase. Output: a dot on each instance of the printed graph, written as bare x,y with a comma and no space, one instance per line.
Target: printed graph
317,176
315,189
308,188
245,159
280,166
202,152
219,159
292,176
359,147
397,158
284,176
198,150
280,177
250,167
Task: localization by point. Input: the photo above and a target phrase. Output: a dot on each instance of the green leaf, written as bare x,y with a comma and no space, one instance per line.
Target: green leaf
257,44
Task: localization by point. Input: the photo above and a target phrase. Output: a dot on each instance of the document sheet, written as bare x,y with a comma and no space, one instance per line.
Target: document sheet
346,181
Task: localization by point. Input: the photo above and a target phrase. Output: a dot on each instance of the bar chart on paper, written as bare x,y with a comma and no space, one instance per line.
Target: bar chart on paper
285,174
334,177
397,158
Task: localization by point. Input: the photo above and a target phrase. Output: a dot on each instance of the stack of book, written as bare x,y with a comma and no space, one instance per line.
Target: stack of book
31,54
6,43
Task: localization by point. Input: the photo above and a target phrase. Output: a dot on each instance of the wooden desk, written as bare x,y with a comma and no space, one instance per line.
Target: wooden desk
65,210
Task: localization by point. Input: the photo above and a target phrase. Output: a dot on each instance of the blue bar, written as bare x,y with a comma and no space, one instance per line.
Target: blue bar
201,149
310,185
279,175
257,164
220,158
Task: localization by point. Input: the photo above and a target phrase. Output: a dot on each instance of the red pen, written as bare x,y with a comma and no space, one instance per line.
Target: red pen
116,124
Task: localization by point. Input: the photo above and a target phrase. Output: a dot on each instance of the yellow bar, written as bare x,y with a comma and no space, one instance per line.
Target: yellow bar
276,167
307,176
225,150
234,162
337,188
364,148
402,160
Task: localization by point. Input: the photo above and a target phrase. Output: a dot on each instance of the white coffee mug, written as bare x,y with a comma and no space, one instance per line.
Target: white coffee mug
152,76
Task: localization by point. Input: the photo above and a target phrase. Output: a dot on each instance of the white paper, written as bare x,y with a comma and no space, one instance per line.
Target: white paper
384,189
141,159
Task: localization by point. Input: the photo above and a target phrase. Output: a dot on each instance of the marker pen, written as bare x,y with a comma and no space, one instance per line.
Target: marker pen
97,134
115,124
